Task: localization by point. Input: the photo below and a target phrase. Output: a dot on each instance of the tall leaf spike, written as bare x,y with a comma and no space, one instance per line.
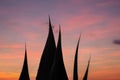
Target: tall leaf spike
58,71
47,56
75,72
25,73
87,70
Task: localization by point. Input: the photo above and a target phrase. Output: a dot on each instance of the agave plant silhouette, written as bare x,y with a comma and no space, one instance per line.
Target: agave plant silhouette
51,65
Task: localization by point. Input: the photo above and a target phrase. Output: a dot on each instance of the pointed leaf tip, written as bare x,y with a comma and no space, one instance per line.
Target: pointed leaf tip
49,19
59,29
59,37
80,36
25,44
90,58
50,25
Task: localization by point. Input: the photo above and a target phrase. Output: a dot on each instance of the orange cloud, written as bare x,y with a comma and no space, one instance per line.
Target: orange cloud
13,46
8,76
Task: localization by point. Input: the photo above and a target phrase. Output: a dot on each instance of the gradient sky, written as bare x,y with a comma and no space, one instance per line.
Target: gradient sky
27,21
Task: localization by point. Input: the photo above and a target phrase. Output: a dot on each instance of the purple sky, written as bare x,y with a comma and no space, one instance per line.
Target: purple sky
97,20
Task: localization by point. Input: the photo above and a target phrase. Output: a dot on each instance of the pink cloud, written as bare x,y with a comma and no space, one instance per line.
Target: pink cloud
104,32
116,54
83,21
13,46
26,28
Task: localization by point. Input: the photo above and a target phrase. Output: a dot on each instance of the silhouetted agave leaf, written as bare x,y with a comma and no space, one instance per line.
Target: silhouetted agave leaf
25,73
47,56
58,71
75,72
86,73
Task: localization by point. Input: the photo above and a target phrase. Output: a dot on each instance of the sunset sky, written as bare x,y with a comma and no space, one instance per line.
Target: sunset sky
27,21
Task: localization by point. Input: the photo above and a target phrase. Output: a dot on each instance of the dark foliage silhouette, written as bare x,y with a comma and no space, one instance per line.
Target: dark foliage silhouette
75,72
51,65
47,56
25,73
58,71
87,70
